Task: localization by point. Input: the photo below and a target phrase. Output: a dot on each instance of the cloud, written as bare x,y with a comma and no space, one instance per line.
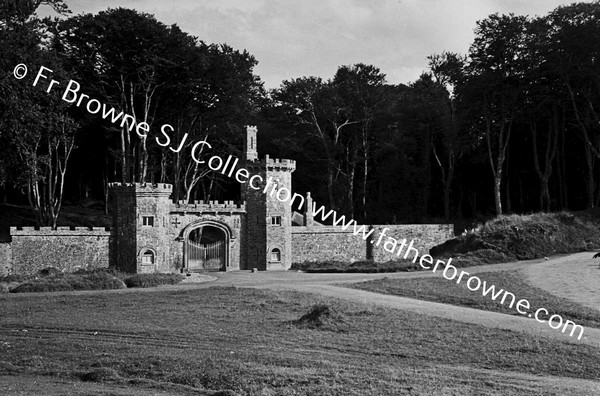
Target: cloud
313,37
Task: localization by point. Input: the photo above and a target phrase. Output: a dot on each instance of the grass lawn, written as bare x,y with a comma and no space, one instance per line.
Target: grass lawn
446,291
256,342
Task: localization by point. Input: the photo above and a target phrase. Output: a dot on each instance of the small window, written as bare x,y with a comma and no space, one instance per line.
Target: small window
276,255
276,220
148,221
148,258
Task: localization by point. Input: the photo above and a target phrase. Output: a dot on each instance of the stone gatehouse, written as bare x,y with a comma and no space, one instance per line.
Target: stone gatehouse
151,233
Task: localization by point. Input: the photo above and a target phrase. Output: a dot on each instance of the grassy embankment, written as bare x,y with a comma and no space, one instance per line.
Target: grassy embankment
254,342
523,237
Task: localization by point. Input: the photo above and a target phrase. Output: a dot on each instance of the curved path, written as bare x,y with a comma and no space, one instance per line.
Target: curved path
325,286
575,277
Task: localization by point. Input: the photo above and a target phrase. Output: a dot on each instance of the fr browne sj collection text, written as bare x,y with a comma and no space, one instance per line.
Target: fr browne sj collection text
71,94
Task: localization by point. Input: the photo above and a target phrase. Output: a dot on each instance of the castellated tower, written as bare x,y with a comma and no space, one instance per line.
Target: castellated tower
269,219
141,223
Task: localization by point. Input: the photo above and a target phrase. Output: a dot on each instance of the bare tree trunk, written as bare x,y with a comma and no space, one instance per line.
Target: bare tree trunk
330,180
447,175
105,189
497,166
551,146
507,188
498,193
124,162
163,166
591,186
365,143
351,188
562,171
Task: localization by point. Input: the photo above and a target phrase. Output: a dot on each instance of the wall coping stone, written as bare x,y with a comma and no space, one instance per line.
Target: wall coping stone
322,230
60,231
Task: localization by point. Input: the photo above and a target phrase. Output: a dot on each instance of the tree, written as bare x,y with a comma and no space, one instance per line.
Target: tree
544,101
494,85
126,58
573,39
448,69
36,129
175,83
216,94
315,109
360,88
19,11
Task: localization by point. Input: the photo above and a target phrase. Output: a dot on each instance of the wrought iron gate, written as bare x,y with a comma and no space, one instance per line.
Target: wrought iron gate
209,257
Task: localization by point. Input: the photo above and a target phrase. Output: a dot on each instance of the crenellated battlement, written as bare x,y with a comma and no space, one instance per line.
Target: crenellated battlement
150,187
211,206
274,164
60,231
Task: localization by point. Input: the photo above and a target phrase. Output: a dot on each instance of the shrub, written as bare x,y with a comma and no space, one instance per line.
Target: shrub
42,285
3,288
152,280
16,278
324,317
69,282
101,374
365,266
49,271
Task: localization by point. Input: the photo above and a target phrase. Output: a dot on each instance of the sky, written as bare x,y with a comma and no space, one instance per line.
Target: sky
292,38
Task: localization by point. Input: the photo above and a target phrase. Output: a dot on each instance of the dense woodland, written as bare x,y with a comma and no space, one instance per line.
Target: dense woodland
511,126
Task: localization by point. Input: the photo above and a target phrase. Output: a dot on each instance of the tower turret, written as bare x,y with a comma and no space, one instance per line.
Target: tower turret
140,212
250,145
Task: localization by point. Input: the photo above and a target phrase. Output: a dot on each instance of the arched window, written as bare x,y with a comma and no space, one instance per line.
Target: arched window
275,255
148,257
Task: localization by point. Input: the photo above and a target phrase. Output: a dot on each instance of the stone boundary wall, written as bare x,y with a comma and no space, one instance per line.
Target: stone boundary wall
425,237
65,248
322,243
5,258
326,243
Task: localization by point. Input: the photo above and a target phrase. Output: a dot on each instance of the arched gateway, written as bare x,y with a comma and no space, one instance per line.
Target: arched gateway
206,246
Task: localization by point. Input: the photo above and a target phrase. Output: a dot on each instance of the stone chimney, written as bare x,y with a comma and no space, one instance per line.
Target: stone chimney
308,214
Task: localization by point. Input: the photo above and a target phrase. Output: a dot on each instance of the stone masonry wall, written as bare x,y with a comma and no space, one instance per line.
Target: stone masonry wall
64,248
425,237
332,243
5,258
326,243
